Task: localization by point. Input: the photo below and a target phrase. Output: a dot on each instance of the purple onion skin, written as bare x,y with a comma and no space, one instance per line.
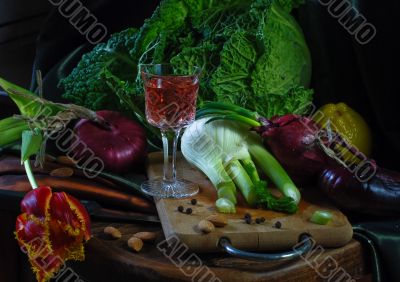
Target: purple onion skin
378,196
292,140
122,145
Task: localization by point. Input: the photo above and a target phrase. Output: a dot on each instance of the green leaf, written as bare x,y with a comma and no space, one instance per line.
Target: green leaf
31,143
286,62
231,80
27,102
296,101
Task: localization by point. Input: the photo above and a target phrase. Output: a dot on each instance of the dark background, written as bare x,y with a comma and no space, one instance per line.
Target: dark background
33,35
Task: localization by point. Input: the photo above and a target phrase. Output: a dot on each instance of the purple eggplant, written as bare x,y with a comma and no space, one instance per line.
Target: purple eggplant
379,195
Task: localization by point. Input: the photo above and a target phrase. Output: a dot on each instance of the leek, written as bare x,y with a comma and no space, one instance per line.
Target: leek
224,150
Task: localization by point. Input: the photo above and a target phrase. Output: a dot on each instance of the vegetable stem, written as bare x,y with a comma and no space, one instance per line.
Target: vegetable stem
274,171
236,117
251,170
30,175
321,217
227,190
242,180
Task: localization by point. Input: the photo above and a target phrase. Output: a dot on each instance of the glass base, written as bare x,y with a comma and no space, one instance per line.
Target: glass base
167,189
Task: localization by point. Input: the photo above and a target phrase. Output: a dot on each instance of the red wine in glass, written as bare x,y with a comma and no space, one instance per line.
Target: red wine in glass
170,106
171,100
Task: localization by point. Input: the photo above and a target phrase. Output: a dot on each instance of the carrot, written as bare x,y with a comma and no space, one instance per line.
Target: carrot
81,188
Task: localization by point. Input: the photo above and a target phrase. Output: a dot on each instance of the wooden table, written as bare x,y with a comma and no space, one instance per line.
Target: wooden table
111,260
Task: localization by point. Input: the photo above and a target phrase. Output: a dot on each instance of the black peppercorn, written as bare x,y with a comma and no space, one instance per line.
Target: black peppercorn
180,209
248,220
258,220
247,215
189,211
278,224
193,201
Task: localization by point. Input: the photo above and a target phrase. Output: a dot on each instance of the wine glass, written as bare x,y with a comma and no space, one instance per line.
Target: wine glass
170,105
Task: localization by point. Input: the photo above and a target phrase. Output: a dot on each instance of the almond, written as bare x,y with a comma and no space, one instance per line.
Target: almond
62,172
66,161
205,226
218,220
135,244
112,232
146,236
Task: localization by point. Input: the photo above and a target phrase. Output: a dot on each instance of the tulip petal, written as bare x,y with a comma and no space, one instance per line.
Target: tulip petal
37,201
51,230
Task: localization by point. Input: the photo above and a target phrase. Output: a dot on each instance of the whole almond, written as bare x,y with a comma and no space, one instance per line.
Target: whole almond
218,220
146,236
66,161
62,172
135,244
205,226
112,232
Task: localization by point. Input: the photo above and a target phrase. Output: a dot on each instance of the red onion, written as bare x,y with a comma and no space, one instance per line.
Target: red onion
119,142
378,196
293,141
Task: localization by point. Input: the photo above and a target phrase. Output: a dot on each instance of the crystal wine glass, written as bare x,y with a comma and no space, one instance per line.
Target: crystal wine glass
171,106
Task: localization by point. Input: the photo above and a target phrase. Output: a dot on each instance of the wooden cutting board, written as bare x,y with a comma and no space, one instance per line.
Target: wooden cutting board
261,237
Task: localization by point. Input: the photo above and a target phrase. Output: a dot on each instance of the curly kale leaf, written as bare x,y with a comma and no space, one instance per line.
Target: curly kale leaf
296,100
204,56
231,81
87,84
286,62
252,53
169,17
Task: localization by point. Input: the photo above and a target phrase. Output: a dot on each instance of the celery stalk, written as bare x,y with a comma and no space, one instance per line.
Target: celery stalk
251,169
242,181
274,171
225,206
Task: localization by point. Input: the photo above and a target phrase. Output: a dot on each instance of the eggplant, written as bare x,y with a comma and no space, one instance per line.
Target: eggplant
380,195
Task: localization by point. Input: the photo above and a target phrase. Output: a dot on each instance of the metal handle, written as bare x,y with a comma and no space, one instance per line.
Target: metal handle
295,253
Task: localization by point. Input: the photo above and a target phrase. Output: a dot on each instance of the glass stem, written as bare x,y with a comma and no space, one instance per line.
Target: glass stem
170,169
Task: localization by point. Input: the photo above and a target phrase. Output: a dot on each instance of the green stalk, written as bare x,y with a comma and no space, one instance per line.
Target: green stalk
29,173
264,195
236,117
268,200
242,180
251,170
227,190
232,108
211,112
321,217
225,206
9,122
274,171
11,135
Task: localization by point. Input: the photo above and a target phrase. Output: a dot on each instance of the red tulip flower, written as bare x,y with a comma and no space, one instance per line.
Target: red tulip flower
51,230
